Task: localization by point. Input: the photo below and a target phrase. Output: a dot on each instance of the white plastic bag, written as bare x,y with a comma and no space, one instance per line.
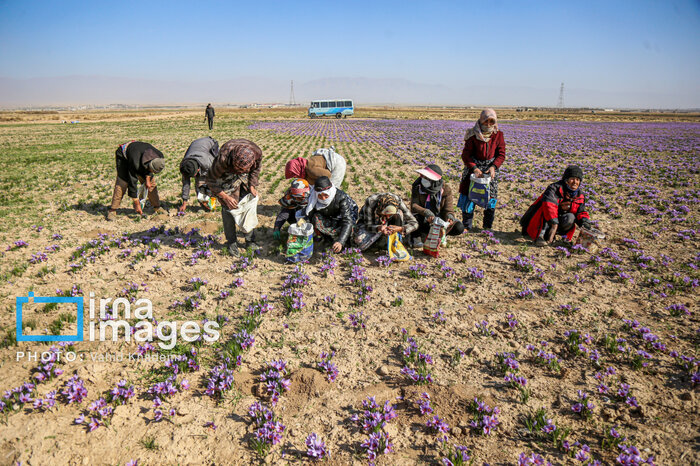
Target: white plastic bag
246,214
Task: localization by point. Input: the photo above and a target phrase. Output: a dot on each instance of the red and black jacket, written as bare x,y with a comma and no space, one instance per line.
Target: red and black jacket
546,208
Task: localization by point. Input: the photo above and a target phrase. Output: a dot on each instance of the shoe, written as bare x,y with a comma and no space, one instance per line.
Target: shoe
233,249
111,215
541,242
417,243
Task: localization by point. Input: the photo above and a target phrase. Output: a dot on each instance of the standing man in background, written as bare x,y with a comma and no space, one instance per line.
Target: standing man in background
209,116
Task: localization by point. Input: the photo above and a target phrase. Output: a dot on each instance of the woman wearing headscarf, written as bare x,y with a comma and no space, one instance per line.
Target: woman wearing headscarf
332,212
382,215
484,152
431,197
136,162
558,210
295,199
326,162
296,168
235,173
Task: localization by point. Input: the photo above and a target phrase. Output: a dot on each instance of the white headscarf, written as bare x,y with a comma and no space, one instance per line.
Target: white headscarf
320,204
476,129
335,163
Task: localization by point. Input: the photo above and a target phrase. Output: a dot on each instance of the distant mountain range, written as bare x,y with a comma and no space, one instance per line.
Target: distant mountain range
101,90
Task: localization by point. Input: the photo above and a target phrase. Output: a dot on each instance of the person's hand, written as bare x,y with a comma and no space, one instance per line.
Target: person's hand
228,201
430,219
137,206
183,206
586,224
337,247
254,191
551,233
478,172
276,234
150,184
395,229
492,171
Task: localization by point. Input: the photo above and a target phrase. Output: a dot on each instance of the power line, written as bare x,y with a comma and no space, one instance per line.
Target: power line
561,96
292,100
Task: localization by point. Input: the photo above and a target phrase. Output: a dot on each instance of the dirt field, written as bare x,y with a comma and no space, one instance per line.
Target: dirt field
615,326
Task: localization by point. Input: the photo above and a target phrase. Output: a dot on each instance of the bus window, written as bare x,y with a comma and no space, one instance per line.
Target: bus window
332,104
324,104
348,103
314,104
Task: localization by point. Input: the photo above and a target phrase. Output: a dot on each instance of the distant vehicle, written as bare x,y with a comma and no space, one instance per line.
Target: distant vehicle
337,108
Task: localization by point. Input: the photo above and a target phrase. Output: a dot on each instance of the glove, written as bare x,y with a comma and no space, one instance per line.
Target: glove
586,224
277,234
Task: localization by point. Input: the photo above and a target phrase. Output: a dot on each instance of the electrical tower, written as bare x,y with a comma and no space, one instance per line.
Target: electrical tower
561,96
292,100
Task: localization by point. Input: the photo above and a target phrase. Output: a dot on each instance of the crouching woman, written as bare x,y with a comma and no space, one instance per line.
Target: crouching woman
558,210
332,212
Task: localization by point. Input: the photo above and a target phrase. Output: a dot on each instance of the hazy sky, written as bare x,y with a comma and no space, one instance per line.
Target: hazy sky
610,46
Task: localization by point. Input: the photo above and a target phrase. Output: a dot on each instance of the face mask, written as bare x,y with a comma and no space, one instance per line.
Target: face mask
425,182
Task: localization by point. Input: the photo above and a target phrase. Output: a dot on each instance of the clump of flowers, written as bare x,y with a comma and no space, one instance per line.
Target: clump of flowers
475,275
327,367
358,321
543,358
269,429
197,283
457,456
374,416
632,456
220,380
316,448
328,264
417,271
424,404
483,328
74,390
416,362
584,407
372,421
293,300
484,418
275,381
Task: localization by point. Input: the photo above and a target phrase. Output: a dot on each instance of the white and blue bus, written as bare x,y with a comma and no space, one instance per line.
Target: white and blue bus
337,108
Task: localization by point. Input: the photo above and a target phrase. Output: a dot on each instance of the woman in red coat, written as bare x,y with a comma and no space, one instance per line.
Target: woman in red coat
484,152
558,210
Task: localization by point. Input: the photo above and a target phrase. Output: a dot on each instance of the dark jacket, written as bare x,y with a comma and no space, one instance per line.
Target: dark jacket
547,208
202,151
138,154
223,174
367,216
419,202
344,210
209,112
475,149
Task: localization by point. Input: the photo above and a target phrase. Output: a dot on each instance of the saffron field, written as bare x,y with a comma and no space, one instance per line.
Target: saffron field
497,352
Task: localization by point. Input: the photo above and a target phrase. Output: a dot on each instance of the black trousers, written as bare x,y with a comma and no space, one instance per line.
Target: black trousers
211,123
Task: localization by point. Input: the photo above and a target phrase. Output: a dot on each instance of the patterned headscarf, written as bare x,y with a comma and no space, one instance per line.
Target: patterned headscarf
476,129
384,201
243,159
